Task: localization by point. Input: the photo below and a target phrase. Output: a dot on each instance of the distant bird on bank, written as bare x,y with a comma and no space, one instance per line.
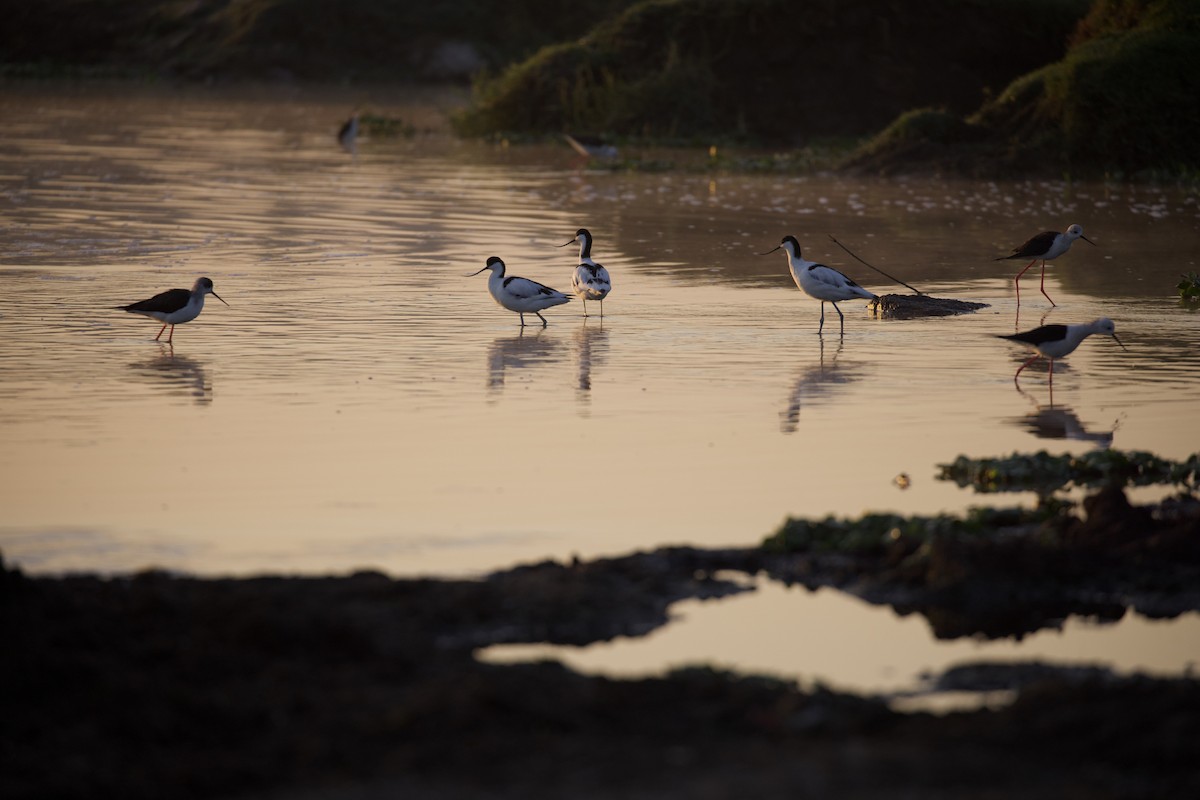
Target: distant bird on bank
819,281
1045,246
591,147
589,280
348,134
1059,341
520,294
174,306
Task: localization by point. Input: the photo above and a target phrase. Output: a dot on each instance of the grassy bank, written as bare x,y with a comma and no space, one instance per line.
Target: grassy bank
1121,103
348,40
1060,88
771,70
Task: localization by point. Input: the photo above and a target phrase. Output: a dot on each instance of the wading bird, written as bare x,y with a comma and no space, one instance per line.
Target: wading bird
520,294
589,280
819,281
174,306
1059,341
1046,246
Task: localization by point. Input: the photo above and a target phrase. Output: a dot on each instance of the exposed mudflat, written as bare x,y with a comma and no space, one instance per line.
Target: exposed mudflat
907,306
365,686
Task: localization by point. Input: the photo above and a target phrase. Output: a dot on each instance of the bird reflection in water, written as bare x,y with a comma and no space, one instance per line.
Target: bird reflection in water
179,376
814,382
1060,423
591,347
519,353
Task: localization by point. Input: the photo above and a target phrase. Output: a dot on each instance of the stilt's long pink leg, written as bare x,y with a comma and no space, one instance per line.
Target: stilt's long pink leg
1017,280
1026,364
1044,286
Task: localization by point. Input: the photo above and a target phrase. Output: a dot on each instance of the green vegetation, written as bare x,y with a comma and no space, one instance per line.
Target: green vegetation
1083,88
1122,102
874,533
1189,287
370,40
1050,522
769,70
1043,473
915,135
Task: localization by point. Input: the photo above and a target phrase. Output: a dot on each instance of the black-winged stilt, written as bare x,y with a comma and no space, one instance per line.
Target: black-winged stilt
520,294
1059,341
1046,246
174,306
589,280
819,281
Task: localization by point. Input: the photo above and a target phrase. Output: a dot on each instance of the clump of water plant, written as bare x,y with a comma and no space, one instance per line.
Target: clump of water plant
1045,473
876,534
387,127
872,534
1189,287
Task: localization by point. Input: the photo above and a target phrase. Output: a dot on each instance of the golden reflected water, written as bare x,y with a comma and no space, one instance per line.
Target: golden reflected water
361,404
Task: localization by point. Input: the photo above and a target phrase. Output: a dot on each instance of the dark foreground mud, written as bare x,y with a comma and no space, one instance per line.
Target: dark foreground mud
366,687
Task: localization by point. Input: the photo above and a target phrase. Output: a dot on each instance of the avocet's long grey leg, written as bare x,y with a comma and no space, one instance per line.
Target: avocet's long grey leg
539,316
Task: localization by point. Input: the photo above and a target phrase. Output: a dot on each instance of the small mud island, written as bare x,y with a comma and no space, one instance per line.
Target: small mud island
912,306
367,687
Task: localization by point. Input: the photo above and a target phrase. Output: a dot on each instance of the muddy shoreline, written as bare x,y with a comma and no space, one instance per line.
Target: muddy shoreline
366,686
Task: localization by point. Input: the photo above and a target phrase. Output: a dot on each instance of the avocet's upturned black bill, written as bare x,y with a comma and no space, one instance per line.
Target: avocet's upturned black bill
590,280
819,281
1059,341
1046,246
520,294
174,306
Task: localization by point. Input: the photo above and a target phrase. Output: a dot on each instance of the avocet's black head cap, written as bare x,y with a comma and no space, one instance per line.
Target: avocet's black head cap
786,240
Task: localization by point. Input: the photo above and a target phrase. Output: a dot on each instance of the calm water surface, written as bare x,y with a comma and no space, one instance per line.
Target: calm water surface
362,404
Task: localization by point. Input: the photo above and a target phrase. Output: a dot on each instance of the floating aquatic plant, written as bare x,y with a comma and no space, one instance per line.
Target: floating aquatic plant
1189,287
1042,472
874,532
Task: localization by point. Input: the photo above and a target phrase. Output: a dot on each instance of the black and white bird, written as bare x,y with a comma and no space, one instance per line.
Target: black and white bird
590,281
174,306
520,294
1059,341
819,281
1046,246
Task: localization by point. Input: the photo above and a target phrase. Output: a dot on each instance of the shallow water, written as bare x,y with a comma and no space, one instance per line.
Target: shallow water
362,404
845,644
